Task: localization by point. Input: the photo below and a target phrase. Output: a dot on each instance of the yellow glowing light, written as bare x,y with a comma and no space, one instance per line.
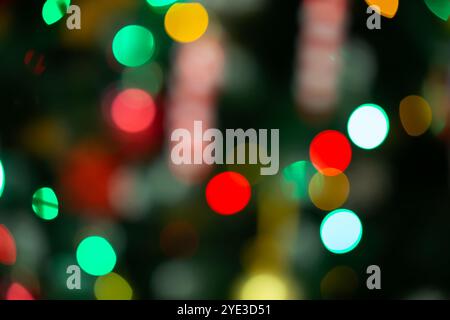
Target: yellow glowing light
329,192
186,22
112,287
415,115
264,286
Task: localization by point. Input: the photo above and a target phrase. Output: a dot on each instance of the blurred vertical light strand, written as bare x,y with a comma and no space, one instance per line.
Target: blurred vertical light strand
195,80
323,28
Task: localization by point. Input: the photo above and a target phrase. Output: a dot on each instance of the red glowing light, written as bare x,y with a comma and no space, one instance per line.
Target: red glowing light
228,193
133,110
7,247
330,152
18,292
84,179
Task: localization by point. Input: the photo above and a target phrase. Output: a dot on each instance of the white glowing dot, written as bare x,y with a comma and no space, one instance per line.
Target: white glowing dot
340,231
368,126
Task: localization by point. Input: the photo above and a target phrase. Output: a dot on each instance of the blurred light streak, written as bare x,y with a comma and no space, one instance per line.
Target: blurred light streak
242,76
323,29
358,72
196,78
267,258
271,199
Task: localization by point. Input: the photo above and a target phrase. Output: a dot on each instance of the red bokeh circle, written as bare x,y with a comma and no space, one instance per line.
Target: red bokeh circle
228,193
7,246
133,110
330,152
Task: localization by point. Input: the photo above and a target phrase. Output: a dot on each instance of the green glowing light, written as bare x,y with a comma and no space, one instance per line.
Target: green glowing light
441,8
2,178
45,204
96,256
340,231
54,10
297,176
133,46
160,3
368,126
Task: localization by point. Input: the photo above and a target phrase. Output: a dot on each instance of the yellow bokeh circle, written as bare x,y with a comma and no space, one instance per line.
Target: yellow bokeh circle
415,115
186,22
112,287
329,192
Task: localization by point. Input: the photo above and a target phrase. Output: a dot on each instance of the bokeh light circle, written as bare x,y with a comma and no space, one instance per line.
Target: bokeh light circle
341,231
8,251
329,192
133,110
96,256
18,292
368,126
54,10
186,22
296,178
264,286
112,287
160,3
45,203
330,152
228,193
133,45
415,115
